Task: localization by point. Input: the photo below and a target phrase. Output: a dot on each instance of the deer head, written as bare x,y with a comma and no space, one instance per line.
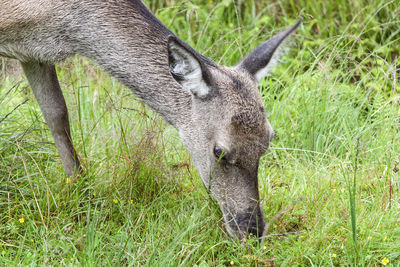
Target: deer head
228,131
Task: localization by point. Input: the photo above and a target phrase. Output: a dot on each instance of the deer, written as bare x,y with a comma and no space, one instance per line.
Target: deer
217,110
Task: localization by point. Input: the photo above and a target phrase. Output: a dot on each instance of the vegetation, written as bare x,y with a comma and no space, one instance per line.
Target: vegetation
334,103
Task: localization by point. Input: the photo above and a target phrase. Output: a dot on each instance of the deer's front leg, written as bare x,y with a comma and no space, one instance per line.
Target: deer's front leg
44,83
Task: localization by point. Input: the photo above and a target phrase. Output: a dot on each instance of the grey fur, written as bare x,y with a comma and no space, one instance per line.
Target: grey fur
125,39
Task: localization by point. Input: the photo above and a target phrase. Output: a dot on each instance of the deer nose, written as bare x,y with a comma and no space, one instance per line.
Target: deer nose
249,224
256,227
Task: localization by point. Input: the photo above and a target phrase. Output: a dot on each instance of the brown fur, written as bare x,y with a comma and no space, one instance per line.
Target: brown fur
213,107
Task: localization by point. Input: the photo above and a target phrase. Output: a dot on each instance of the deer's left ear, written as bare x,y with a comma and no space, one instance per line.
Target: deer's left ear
187,68
259,61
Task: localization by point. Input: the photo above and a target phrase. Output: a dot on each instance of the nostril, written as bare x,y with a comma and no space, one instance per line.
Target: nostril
254,232
256,228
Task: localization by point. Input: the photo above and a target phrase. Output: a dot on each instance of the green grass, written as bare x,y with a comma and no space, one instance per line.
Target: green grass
334,103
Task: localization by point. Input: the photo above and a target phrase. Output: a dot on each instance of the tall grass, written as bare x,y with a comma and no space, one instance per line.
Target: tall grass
333,101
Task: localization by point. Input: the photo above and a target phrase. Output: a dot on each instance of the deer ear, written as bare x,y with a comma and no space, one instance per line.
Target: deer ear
186,68
262,58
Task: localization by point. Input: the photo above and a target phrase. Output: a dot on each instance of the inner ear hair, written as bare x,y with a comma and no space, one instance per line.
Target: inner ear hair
187,68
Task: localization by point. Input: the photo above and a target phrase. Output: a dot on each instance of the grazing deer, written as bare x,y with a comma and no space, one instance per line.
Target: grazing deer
217,110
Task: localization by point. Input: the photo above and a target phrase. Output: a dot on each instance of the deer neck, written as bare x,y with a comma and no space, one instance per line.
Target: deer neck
131,44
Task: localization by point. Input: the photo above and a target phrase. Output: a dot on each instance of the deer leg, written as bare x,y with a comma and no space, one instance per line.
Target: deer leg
43,80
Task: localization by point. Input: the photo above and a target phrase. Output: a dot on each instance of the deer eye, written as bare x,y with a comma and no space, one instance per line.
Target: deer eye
219,153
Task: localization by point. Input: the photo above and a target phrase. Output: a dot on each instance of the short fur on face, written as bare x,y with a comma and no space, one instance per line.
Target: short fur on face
228,115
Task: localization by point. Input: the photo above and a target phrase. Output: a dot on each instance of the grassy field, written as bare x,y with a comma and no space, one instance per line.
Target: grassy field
334,102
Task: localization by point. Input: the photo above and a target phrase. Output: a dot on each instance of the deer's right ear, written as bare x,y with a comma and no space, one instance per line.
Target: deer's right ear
186,68
259,62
